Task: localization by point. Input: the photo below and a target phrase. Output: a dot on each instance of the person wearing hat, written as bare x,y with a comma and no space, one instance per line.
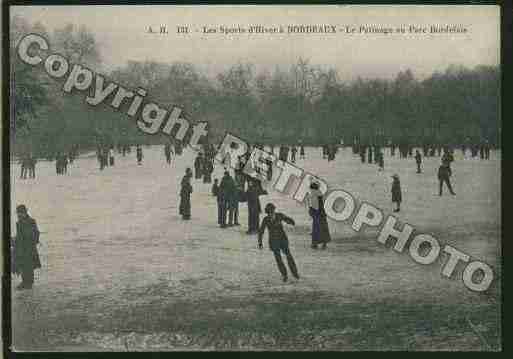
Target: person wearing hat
225,195
26,257
278,241
185,195
444,175
418,160
380,158
320,229
302,151
253,193
139,154
293,152
396,192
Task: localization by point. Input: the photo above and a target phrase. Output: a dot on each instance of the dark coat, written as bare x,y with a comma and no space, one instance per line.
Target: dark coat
444,172
227,189
25,254
277,236
320,228
252,197
185,197
396,191
198,167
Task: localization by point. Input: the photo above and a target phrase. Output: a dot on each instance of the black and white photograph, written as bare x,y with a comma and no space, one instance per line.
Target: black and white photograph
253,178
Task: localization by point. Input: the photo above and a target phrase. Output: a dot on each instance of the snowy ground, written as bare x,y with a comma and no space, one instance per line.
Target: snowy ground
121,271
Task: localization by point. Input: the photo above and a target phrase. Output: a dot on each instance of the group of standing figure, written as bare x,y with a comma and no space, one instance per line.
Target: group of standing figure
61,163
105,156
204,166
28,165
372,154
284,151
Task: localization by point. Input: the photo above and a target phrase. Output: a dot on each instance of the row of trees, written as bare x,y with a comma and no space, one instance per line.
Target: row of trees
305,101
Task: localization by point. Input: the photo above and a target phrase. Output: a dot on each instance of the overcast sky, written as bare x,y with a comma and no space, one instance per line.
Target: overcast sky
122,35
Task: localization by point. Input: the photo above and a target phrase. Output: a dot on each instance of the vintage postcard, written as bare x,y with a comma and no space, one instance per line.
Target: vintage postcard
249,178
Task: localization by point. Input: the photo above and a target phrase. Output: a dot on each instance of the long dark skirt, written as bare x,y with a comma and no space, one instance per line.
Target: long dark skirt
320,229
185,206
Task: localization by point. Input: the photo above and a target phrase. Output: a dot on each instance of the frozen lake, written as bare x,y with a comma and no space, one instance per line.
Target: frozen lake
116,255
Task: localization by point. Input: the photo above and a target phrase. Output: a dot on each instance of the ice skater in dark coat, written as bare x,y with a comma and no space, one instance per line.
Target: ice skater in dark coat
198,166
320,229
185,195
254,209
227,190
444,174
418,160
278,241
396,192
26,257
215,193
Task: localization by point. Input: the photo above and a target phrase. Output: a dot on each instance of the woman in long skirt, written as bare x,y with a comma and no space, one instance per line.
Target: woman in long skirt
185,195
320,229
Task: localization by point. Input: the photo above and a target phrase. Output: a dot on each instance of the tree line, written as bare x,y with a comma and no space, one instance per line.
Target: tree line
303,102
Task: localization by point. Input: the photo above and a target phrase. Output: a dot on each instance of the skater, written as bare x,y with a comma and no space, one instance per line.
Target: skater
293,154
396,192
139,154
283,153
226,189
105,156
32,166
380,159
320,230
111,156
207,170
185,195
278,241
198,166
26,257
302,152
362,153
418,160
24,166
233,204
167,152
254,208
269,173
369,159
58,163
332,150
444,175
215,193
487,150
